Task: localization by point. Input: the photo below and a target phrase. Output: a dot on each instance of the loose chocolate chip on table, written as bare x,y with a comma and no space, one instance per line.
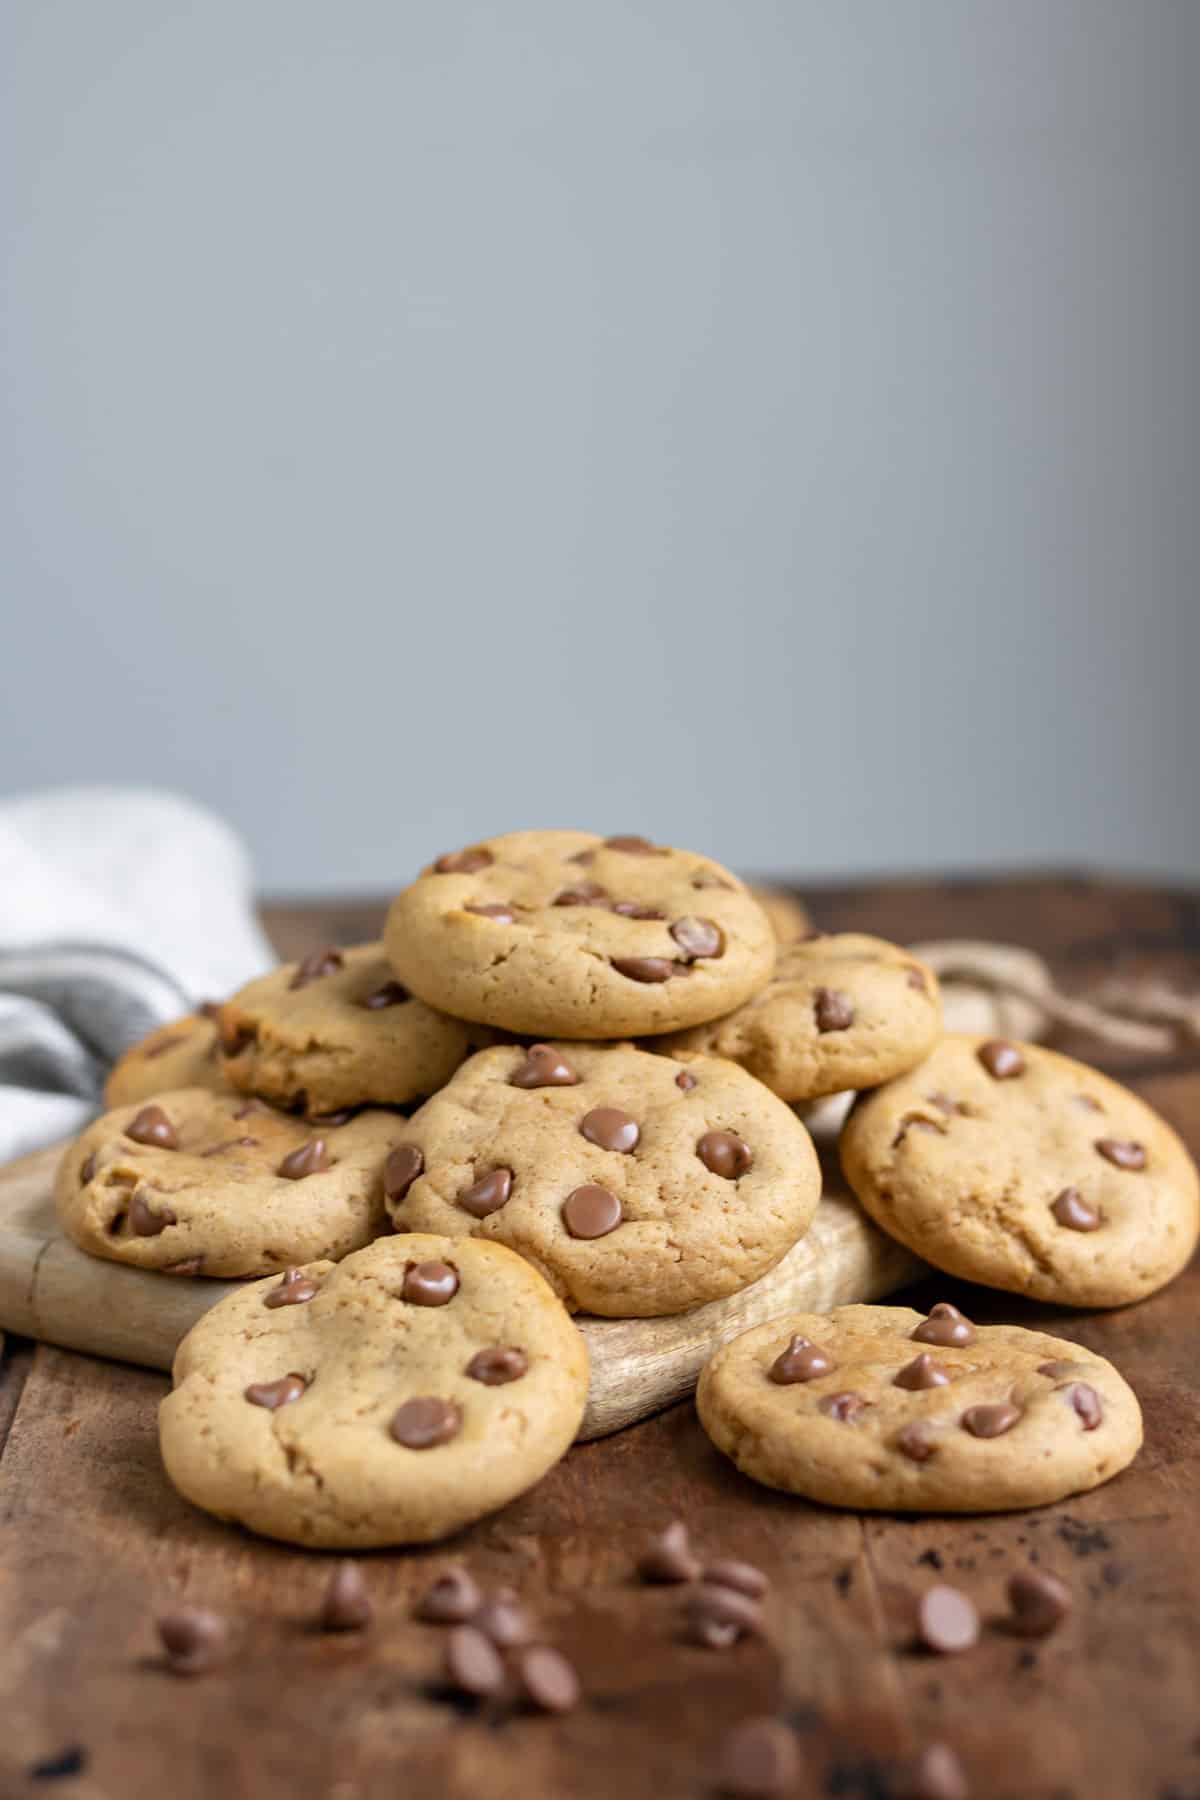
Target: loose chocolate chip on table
273,1394
401,1169
497,1365
742,1577
717,1617
633,909
1121,1153
152,1126
758,1760
922,1372
633,845
947,1620
1039,1602
990,1421
801,1361
1086,1402
145,1221
194,1639
308,1159
698,938
945,1326
473,1664
547,1679
645,968
88,1170
294,1290
936,1774
685,1081
591,1211
488,1194
452,1600
725,1154
429,1283
668,1557
464,862
1073,1211
1001,1060
610,1128
842,1407
392,993
190,1265
585,893
833,1011
504,1620
543,1067
916,1442
347,1604
503,915
316,965
425,1423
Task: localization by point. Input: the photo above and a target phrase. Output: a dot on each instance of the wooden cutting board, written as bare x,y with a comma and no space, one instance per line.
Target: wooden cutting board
52,1291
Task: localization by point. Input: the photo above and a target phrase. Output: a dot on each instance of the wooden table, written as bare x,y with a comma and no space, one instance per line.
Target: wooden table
94,1544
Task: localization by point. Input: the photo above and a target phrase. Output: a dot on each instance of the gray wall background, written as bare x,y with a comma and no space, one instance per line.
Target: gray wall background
771,426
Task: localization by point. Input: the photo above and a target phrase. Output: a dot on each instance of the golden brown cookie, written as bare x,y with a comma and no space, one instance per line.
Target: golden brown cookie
880,1407
843,1011
566,934
181,1054
391,1399
1020,1168
789,916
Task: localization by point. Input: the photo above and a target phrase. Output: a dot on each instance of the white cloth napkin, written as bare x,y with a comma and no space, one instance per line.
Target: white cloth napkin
120,908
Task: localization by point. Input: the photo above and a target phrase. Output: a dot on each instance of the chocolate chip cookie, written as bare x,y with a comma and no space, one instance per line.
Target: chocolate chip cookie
390,1399
565,934
181,1054
338,1030
197,1183
1019,1168
637,1185
843,1011
880,1407
788,916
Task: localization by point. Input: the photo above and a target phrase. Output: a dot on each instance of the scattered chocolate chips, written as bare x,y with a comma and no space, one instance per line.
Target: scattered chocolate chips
392,993
547,1679
947,1620
1072,1210
610,1128
757,1760
717,1617
936,1774
584,893
504,1620
698,938
429,1283
742,1577
145,1221
833,1011
503,915
316,965
425,1423
591,1211
990,1421
645,968
1039,1602
668,1557
274,1394
725,1154
195,1640
152,1126
945,1326
801,1361
472,1662
543,1067
1122,1153
488,1194
400,1170
347,1604
1086,1402
453,1599
307,1159
916,1442
685,1081
497,1365
1001,1059
88,1170
633,845
842,1407
464,862
922,1372
294,1290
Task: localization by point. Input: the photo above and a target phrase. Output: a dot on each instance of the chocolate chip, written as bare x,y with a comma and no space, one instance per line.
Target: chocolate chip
429,1283
453,1599
333,1121
1073,1211
152,1126
922,1372
990,1421
936,1774
685,1081
392,993
1001,1060
401,1169
698,938
190,1265
307,1159
724,1154
294,1290
944,1326
742,1577
833,1011
317,965
88,1170
464,862
145,1221
591,1211
915,979
633,909
488,1194
229,1144
584,893
916,1442
645,968
716,1617
347,1604
497,1366
801,1361
504,1620
1086,1402
543,1067
547,1679
668,1557
633,845
503,915
1123,1154
913,1122
757,1760
842,1407
610,1128
1039,1601
472,1662
945,1104
426,1422
947,1620
274,1394
195,1640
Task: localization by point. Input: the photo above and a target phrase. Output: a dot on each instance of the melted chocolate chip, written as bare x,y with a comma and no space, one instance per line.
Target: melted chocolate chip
240,1143
758,1760
346,1605
195,1640
503,915
916,1442
832,1010
472,1662
945,1104
724,1154
190,1265
1086,1402
306,1159
1055,1370
990,1421
1123,1154
452,1600
317,965
610,1129
947,1620
295,1289
646,969
330,1121
591,1211
915,979
1039,1602
464,862
543,1066
392,993
842,1407
742,1577
913,1122
88,1170
801,1361
944,1326
1073,1211
633,845
425,1423
698,938
584,893
548,1681
633,909
145,1221
497,1366
488,1194
685,1081
922,1372
716,1617
400,1170
1001,1060
273,1394
668,1557
429,1283
152,1126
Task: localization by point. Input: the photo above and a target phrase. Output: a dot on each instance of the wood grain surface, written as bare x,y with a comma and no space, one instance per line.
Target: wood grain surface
93,1544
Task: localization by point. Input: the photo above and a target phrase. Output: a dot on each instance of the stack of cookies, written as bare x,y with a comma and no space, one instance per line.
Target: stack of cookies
567,1080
